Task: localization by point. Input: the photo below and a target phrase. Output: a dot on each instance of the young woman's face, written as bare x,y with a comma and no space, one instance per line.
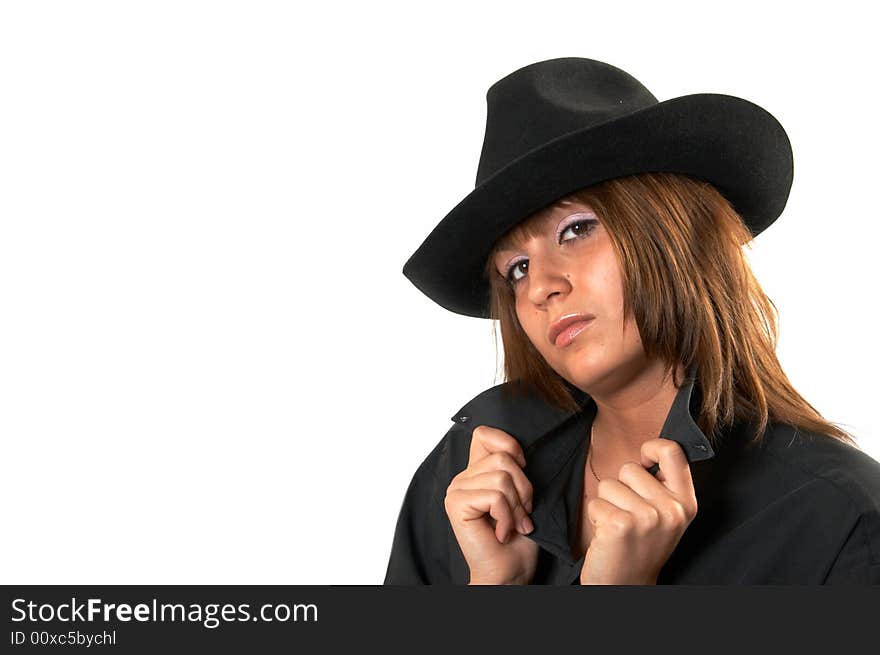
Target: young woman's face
572,268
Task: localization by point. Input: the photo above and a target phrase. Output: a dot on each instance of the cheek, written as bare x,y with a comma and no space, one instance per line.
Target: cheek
631,334
532,323
528,322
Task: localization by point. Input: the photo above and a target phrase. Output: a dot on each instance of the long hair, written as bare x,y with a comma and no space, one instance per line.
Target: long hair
687,283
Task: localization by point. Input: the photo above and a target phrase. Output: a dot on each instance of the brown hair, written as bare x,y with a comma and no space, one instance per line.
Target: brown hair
694,298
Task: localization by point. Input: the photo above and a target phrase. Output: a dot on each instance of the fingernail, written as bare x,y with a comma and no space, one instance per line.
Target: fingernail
526,525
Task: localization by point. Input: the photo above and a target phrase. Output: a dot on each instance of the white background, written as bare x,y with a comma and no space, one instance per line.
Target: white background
212,369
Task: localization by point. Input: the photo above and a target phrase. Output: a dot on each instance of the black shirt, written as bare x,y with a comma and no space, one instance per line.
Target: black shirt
801,508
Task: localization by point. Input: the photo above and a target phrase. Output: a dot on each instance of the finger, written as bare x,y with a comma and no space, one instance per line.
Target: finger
673,464
622,497
601,511
636,477
474,504
503,482
503,461
486,440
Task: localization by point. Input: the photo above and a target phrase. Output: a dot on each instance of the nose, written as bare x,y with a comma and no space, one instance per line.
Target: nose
547,277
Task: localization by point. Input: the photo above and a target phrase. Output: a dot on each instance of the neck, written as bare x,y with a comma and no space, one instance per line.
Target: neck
629,412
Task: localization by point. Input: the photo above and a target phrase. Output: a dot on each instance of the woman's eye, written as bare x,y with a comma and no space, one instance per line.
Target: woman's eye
511,272
584,228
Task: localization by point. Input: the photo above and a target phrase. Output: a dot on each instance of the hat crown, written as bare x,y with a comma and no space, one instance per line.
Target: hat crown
545,100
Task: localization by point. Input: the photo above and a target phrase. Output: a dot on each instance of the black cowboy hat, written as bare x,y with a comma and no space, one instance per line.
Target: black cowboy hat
559,125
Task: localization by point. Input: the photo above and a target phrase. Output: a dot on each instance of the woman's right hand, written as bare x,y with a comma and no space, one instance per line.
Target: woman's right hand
487,504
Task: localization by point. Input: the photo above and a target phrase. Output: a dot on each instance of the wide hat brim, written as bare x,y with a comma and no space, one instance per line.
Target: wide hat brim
734,144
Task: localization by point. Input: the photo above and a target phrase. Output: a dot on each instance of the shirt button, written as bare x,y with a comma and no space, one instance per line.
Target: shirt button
464,419
701,446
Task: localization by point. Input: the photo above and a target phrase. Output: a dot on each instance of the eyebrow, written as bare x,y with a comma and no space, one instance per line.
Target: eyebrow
508,242
502,254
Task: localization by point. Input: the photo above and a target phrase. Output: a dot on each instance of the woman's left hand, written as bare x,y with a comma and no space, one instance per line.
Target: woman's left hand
638,518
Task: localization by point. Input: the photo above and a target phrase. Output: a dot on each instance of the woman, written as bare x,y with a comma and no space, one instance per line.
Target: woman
646,433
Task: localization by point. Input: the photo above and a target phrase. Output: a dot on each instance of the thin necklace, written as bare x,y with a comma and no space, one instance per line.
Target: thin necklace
590,455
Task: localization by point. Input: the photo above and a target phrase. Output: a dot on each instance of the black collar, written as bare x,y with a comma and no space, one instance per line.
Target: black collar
555,443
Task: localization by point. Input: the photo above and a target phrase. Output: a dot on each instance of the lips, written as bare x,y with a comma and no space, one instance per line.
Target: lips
568,334
563,330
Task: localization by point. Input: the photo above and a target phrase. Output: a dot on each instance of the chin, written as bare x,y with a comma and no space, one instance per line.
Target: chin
585,371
